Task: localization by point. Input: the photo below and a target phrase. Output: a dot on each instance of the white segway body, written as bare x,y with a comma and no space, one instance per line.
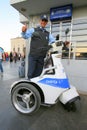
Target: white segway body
48,88
56,85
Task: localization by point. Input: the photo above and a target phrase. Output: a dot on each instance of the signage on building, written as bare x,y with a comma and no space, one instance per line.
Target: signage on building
61,13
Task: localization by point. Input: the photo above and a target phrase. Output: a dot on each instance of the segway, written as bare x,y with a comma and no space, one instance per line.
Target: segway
47,89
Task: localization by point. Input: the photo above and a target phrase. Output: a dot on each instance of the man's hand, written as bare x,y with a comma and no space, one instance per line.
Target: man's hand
24,28
53,45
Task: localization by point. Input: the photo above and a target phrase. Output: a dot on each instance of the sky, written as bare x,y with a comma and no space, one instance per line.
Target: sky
10,26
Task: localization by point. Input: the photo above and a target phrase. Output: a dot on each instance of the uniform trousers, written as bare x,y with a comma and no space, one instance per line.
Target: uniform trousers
35,65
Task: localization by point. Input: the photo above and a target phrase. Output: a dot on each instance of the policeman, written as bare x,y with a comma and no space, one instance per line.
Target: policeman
40,38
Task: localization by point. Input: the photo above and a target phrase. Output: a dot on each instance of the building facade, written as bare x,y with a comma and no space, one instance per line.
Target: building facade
18,45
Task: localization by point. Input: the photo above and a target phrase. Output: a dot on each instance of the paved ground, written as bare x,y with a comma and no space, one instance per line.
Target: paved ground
47,118
10,71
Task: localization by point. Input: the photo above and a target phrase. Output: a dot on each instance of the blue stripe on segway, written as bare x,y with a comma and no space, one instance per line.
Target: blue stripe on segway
61,83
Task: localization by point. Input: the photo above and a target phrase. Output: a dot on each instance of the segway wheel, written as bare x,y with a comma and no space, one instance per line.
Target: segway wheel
25,98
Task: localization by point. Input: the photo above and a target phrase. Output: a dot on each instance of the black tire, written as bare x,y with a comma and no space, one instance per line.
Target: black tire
25,98
72,107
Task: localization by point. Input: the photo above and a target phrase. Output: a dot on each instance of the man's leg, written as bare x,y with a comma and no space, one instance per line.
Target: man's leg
39,66
1,67
31,66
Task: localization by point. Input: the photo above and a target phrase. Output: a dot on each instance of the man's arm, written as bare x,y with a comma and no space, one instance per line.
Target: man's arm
51,39
27,33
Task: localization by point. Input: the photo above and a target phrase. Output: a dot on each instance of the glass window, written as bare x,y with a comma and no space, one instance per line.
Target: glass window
78,34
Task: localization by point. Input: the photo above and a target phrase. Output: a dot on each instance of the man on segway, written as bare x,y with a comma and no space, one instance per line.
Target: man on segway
40,38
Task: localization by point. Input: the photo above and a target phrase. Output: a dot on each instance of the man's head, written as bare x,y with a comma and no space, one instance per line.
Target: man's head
43,20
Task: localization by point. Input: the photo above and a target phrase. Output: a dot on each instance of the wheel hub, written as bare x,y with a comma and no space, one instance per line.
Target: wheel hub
26,98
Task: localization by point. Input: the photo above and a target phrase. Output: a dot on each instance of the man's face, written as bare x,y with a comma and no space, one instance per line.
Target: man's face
43,23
